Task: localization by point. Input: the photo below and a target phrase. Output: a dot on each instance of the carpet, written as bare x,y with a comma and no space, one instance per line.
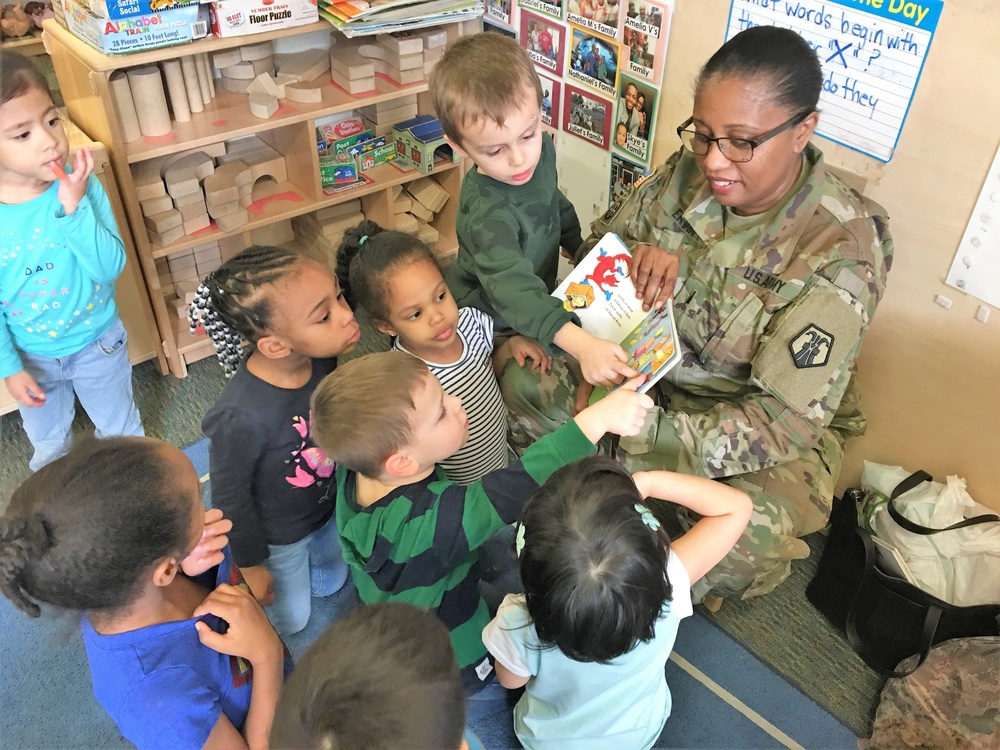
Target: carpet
782,629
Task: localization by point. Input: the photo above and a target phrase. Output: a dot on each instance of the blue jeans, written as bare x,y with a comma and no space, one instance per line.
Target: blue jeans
312,566
100,375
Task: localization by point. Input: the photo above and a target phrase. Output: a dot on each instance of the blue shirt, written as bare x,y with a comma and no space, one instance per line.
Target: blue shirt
57,275
163,688
573,705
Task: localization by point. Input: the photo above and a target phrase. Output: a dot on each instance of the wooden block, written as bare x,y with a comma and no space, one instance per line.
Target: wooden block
426,233
402,204
433,37
220,186
192,225
181,261
205,268
402,42
193,209
209,252
420,212
187,289
263,105
271,164
163,221
256,51
349,63
181,308
273,234
390,115
428,193
340,209
353,86
263,84
280,81
402,77
433,55
185,274
405,223
339,225
185,175
379,52
306,66
377,130
390,104
226,59
303,92
225,209
233,221
156,205
186,200
165,238
249,70
235,85
147,180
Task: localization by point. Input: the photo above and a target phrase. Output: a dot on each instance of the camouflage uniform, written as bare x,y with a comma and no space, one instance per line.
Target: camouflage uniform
770,322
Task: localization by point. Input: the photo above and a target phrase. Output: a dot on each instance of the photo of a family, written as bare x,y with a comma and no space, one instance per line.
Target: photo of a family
645,38
499,9
624,174
551,99
593,60
552,8
587,116
602,16
634,119
543,40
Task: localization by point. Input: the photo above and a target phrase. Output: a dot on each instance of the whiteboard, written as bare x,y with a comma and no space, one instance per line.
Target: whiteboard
872,53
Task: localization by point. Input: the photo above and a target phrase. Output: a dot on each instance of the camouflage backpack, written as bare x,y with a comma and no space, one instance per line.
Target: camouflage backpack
952,701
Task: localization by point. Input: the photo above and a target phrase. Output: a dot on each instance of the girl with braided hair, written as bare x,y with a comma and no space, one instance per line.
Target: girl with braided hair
115,530
267,475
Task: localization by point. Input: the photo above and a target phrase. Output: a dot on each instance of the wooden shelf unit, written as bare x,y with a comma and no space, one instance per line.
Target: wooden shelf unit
84,75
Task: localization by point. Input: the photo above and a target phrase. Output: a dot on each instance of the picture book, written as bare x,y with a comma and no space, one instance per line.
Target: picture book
601,294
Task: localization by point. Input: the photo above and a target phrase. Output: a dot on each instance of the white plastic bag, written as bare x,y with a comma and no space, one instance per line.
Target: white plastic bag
961,567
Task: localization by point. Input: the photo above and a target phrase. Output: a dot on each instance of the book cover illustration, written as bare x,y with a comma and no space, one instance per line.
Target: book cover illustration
601,294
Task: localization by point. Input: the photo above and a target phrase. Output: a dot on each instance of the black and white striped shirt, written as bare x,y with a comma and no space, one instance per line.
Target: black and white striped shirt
472,379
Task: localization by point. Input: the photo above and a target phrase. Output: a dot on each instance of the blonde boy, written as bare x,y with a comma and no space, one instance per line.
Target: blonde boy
408,533
512,218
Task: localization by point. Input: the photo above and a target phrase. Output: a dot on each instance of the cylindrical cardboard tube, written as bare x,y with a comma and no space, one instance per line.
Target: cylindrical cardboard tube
121,92
207,67
191,84
178,93
206,95
150,100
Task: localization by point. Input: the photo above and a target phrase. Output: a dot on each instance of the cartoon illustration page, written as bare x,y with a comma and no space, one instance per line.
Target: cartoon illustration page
601,294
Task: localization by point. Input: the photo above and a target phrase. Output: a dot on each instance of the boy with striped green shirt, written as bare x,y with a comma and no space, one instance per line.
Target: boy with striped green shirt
408,534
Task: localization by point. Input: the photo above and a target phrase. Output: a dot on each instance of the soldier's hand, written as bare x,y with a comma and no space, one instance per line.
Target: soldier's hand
654,274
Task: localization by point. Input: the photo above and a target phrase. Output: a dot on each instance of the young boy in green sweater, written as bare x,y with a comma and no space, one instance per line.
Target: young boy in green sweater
512,218
410,535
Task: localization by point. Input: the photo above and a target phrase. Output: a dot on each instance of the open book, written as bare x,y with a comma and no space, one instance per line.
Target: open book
601,293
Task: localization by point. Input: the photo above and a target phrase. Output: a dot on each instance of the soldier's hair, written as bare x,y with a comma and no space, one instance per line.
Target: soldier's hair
18,76
482,77
781,55
233,304
594,574
362,410
80,533
369,257
384,676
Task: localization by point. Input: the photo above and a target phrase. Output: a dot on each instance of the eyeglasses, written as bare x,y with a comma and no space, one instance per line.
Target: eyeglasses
734,149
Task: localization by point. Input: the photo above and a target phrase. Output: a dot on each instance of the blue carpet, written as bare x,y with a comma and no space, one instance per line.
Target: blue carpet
47,700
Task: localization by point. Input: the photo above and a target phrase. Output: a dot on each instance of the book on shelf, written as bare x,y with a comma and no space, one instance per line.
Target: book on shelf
363,18
601,294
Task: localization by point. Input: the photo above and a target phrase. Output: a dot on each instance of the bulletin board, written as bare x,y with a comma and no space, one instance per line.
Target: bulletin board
872,53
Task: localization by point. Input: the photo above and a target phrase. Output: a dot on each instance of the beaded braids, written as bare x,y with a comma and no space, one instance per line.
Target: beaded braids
231,305
368,258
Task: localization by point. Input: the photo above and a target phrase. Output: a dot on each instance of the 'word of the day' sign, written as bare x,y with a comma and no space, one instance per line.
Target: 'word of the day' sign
872,53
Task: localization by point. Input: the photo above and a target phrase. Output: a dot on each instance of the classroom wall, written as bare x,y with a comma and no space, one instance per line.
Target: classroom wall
930,377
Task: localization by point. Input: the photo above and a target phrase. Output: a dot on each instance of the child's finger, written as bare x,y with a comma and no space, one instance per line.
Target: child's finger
634,383
212,515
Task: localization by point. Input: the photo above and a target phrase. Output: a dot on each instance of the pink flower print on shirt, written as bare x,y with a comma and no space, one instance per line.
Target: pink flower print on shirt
311,463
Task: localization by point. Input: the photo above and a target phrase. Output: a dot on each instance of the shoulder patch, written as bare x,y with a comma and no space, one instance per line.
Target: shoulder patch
811,347
849,282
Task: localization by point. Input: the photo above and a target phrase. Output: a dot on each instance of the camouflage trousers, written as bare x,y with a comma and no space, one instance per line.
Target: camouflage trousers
790,500
537,403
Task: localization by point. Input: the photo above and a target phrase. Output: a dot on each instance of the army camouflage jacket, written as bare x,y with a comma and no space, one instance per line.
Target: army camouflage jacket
509,238
770,319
